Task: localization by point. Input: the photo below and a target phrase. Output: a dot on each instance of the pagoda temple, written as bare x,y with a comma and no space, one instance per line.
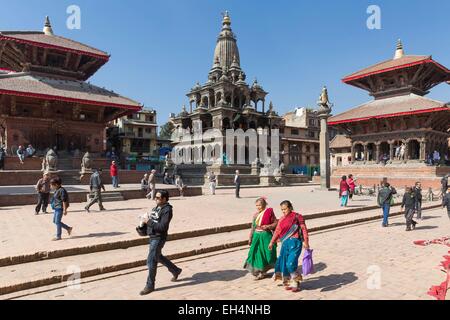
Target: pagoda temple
401,127
45,99
226,100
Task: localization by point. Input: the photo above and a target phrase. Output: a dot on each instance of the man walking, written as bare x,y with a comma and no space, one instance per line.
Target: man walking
446,202
237,182
418,200
114,172
157,229
409,202
43,190
2,158
152,185
385,197
60,204
212,182
444,185
96,186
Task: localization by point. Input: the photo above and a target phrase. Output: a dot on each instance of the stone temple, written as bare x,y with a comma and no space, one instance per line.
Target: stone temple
227,101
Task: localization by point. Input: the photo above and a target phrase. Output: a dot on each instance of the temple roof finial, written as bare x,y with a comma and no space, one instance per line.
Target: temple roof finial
399,52
226,18
48,27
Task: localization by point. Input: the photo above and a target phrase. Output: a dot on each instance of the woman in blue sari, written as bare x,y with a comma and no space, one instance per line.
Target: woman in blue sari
293,235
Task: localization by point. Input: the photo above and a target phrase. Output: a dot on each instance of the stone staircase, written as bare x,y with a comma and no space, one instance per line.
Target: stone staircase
110,196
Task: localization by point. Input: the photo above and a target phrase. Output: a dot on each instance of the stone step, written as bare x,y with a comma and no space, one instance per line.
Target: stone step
37,274
48,272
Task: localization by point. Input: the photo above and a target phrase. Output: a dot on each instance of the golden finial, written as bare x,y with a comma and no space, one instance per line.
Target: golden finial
226,18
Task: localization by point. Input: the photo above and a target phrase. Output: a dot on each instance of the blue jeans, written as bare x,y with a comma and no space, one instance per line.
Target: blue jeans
155,256
57,216
115,181
386,211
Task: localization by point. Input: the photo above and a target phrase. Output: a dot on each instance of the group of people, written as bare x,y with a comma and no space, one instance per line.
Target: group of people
59,202
290,231
347,188
411,202
148,183
23,153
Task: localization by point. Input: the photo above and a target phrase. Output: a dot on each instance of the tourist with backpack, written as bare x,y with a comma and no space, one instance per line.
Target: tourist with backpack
60,205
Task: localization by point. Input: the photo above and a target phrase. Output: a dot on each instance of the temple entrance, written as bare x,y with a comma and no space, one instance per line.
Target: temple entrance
385,150
414,150
371,152
59,143
359,152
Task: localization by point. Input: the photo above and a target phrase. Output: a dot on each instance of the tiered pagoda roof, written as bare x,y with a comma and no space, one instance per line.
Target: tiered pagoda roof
398,86
46,66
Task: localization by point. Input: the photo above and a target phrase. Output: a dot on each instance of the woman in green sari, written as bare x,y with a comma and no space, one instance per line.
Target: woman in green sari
260,258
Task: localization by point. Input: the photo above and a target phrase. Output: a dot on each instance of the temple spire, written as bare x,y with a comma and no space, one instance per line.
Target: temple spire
48,27
399,52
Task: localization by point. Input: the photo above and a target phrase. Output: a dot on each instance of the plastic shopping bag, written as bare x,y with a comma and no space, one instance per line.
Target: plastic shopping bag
308,264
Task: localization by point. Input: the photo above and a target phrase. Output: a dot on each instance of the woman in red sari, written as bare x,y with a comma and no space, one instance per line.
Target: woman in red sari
293,235
260,258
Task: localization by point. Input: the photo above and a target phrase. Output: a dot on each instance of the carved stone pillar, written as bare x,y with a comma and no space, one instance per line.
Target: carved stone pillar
76,112
46,109
101,114
406,156
13,106
2,105
391,150
366,152
377,152
423,146
353,153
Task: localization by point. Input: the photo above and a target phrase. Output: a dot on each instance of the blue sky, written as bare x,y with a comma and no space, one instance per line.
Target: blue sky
161,48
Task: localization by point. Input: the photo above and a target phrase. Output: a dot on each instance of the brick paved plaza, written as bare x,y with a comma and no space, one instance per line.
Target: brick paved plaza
119,222
345,257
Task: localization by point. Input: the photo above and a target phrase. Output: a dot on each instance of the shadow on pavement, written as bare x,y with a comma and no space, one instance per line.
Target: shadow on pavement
205,277
329,283
99,235
426,228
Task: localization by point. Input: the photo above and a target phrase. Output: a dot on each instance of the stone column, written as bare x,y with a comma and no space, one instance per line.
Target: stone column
377,152
391,150
366,152
423,144
353,151
407,157
324,113
325,171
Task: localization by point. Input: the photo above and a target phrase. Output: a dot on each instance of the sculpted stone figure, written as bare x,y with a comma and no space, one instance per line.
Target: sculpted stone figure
50,161
86,163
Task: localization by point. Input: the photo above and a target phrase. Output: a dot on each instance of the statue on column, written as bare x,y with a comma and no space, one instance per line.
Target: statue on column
324,113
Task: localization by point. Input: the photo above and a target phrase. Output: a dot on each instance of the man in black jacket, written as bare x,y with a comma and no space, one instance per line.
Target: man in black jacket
446,201
237,183
409,203
418,197
157,230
